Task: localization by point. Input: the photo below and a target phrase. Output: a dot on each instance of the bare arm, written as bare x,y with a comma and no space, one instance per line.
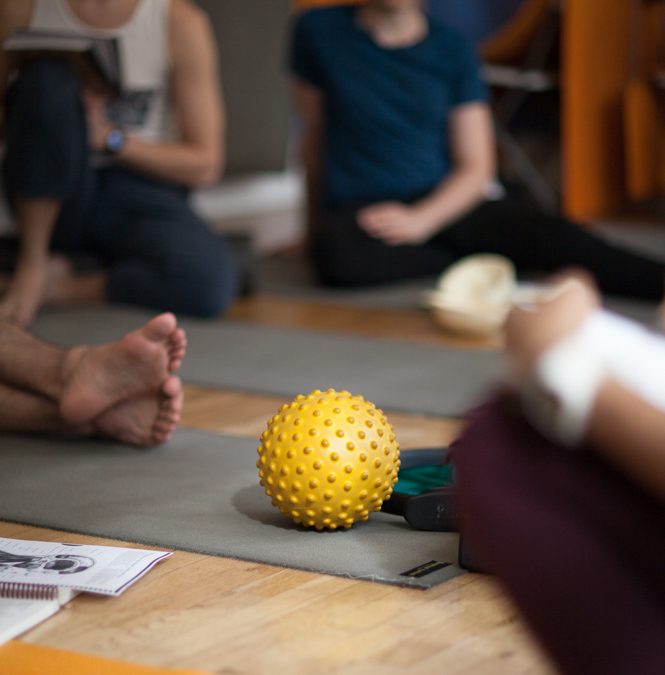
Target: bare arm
630,433
472,148
308,101
623,427
197,157
14,14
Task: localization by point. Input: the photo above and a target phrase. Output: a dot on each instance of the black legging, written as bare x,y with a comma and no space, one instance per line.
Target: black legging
344,255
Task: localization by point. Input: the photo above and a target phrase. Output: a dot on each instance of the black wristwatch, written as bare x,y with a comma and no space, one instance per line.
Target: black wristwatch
114,141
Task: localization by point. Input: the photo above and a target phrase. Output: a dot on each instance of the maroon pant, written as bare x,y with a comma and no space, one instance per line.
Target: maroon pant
578,546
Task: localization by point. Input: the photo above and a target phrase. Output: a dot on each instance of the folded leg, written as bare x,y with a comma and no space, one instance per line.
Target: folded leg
579,548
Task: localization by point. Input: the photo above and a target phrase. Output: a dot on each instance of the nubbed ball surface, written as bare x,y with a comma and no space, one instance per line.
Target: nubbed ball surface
328,459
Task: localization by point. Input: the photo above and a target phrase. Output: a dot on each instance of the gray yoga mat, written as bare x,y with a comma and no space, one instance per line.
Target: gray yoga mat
200,493
292,276
254,358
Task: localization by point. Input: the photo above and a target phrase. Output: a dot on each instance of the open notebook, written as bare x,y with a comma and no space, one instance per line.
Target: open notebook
38,577
24,606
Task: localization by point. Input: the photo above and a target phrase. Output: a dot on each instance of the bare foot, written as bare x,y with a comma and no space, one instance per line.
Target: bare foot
96,378
31,287
24,295
58,269
146,420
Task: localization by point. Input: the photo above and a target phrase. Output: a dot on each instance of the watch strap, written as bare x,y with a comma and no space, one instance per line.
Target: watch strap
114,141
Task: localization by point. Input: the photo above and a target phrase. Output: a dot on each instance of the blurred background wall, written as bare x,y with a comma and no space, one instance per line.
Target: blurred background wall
251,36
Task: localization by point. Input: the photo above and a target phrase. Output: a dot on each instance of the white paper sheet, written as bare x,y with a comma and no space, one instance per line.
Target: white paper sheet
107,570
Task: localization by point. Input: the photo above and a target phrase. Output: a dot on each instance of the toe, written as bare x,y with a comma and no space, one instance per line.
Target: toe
160,327
172,388
177,349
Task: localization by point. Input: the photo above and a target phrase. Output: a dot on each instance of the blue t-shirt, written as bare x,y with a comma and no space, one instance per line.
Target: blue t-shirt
386,108
476,19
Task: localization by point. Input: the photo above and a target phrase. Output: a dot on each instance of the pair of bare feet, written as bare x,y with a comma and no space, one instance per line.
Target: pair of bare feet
126,390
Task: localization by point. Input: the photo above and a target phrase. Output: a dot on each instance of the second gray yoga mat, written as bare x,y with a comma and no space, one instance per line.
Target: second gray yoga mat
254,358
200,493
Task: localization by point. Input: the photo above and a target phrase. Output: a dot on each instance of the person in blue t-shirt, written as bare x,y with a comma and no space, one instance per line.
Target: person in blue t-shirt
398,148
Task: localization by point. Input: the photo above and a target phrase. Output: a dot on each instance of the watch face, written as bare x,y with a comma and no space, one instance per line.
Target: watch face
114,141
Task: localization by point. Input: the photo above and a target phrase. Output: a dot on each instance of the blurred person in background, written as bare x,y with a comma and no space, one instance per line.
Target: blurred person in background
109,176
399,156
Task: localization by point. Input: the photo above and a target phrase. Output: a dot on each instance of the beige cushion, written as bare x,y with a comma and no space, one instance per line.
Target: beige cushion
474,295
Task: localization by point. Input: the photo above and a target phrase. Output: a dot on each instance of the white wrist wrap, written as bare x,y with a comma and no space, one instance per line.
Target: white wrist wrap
632,354
566,380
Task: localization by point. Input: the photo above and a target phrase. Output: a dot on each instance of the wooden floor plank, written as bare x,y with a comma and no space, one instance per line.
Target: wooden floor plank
226,615
246,415
411,325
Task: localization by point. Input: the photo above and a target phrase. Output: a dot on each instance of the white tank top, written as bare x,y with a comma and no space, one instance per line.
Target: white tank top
144,108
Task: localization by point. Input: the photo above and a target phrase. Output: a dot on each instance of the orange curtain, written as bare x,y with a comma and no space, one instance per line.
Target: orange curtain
644,107
595,51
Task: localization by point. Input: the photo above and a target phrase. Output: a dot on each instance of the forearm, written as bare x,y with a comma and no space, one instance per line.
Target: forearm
14,15
474,166
458,194
177,162
310,157
585,374
630,434
309,104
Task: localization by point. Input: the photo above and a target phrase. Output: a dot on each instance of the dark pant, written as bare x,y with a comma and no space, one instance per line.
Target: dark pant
578,546
158,252
344,255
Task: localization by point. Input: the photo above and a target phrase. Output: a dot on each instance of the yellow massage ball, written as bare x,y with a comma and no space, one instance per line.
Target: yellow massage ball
328,459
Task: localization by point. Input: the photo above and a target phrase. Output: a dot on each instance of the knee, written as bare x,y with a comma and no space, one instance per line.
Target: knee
203,293
213,291
334,268
329,274
211,281
44,108
44,87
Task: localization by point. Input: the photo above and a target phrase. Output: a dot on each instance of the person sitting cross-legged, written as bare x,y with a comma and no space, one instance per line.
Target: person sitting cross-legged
562,484
399,156
92,175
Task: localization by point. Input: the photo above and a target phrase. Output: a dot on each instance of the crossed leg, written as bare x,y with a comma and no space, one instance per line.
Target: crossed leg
124,390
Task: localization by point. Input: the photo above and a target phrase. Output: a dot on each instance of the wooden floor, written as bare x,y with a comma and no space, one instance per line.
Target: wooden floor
228,616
